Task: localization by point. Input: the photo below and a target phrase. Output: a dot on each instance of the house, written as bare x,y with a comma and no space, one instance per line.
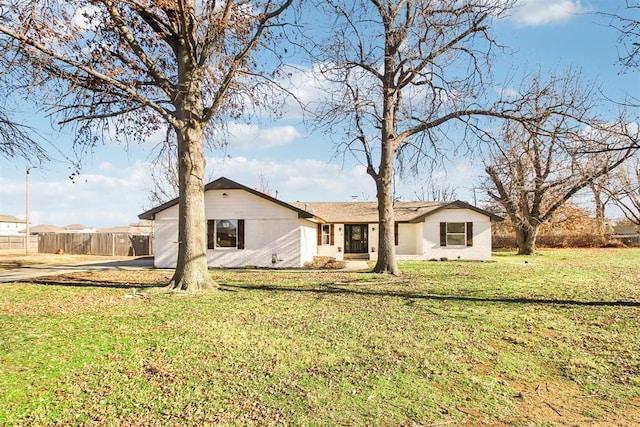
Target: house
137,228
422,230
248,228
45,228
244,228
10,224
628,234
78,228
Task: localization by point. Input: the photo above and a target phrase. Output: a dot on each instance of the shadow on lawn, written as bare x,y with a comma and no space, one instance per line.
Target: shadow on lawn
86,283
332,288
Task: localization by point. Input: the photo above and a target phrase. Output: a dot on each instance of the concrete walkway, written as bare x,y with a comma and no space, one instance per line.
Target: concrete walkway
356,265
24,274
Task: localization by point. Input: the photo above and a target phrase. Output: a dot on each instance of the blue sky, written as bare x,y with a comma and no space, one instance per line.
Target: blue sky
289,158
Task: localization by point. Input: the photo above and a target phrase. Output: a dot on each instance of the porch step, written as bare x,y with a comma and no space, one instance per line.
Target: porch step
364,257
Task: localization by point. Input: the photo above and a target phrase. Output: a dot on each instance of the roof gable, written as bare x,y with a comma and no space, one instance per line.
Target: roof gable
223,183
11,219
458,204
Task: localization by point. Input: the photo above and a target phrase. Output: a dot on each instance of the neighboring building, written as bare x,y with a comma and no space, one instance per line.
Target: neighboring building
45,228
78,228
10,224
629,234
136,228
248,228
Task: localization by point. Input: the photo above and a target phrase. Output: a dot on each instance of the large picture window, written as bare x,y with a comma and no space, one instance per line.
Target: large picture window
225,233
456,234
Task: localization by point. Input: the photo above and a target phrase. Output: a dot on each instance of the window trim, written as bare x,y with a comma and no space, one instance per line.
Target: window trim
212,235
330,234
468,234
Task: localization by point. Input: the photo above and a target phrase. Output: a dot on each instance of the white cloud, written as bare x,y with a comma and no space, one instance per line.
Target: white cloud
106,197
110,195
250,137
308,87
461,178
84,19
540,12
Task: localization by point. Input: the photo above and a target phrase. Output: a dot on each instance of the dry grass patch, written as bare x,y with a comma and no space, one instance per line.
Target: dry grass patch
19,260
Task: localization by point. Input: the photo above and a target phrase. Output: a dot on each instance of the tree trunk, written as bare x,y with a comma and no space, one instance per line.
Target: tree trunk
599,213
386,241
526,239
192,272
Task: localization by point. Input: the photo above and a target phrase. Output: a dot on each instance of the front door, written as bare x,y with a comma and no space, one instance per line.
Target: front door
355,238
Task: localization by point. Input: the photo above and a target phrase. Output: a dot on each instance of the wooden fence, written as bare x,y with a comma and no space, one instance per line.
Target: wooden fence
110,244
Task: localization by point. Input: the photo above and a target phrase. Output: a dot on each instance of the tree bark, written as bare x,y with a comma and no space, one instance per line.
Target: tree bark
386,218
526,239
192,272
599,207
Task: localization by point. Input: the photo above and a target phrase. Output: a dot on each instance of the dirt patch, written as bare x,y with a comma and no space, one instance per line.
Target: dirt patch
11,261
109,278
566,404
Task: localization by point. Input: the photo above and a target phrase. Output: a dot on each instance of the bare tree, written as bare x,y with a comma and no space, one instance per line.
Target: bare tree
533,173
625,190
263,183
16,141
164,176
403,71
601,199
627,23
125,69
431,191
403,75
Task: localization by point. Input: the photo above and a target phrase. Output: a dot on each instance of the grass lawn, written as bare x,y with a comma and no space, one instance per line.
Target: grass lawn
552,339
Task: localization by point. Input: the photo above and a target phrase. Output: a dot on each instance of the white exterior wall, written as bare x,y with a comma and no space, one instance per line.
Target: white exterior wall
422,240
309,240
373,242
337,249
165,239
7,228
409,239
271,232
481,249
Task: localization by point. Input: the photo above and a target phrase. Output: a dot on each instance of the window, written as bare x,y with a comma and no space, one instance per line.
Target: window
456,234
325,234
225,233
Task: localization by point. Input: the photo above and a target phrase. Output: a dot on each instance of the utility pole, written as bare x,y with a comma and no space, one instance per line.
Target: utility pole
27,231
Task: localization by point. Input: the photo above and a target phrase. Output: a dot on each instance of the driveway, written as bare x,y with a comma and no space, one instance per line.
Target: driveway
25,274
